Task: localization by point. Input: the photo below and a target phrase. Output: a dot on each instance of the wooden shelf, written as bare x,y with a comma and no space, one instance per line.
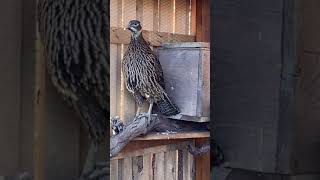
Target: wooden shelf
173,136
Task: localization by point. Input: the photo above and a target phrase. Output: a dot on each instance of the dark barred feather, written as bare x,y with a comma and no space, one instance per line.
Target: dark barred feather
75,34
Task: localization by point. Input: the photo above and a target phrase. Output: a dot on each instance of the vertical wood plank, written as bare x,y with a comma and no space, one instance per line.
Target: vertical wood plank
181,17
203,20
188,165
137,167
193,17
114,85
156,15
170,165
202,166
147,167
114,13
140,11
166,16
129,10
148,14
114,170
159,168
127,167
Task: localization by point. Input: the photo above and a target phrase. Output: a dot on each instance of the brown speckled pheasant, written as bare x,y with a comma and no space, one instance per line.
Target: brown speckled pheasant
75,35
143,74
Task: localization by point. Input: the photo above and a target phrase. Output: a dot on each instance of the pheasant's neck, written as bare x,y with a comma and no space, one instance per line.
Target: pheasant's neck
137,39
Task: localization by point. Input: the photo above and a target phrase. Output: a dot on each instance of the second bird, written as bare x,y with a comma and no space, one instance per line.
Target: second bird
143,74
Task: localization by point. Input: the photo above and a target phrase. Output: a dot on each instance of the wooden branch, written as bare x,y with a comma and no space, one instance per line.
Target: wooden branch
121,36
140,125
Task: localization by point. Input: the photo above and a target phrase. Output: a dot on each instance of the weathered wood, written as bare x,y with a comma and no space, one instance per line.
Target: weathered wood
114,168
121,36
147,167
140,125
203,20
170,165
159,167
175,135
190,90
188,169
202,166
137,167
127,168
156,149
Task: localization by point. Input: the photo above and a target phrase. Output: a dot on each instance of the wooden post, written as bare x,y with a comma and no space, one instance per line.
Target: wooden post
203,20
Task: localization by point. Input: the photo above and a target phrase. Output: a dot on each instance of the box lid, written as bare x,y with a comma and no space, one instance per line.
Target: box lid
186,45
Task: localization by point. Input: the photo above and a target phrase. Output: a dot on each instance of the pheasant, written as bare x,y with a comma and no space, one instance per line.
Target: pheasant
75,35
143,74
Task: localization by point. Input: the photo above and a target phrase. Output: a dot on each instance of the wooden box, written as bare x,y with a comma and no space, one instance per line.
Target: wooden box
186,69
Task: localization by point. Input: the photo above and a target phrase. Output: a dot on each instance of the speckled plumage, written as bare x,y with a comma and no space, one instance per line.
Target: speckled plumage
75,34
143,73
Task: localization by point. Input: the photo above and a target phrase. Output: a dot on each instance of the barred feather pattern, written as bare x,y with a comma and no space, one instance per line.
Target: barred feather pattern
75,35
144,77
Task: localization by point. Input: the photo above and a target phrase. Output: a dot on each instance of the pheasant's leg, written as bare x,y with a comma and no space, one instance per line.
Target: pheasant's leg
150,110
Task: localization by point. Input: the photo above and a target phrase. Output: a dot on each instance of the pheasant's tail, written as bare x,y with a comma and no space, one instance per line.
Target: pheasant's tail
167,107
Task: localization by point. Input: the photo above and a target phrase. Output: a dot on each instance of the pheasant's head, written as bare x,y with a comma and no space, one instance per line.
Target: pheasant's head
135,27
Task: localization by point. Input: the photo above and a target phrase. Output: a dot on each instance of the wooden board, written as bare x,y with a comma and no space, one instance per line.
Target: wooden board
172,136
121,36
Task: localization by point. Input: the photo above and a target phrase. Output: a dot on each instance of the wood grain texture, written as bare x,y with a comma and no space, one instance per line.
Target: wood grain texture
121,36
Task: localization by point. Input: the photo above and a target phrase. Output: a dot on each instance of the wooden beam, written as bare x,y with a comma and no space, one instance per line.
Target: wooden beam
202,165
203,20
121,36
168,136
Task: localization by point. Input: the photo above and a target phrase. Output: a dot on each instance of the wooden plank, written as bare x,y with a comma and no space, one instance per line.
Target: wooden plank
114,170
203,20
139,10
170,159
148,13
137,166
193,17
157,149
129,11
181,17
147,167
202,166
170,136
114,85
120,36
156,16
127,167
114,13
166,16
188,168
159,167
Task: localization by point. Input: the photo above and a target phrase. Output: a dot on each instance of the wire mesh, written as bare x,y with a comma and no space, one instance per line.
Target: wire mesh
173,16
